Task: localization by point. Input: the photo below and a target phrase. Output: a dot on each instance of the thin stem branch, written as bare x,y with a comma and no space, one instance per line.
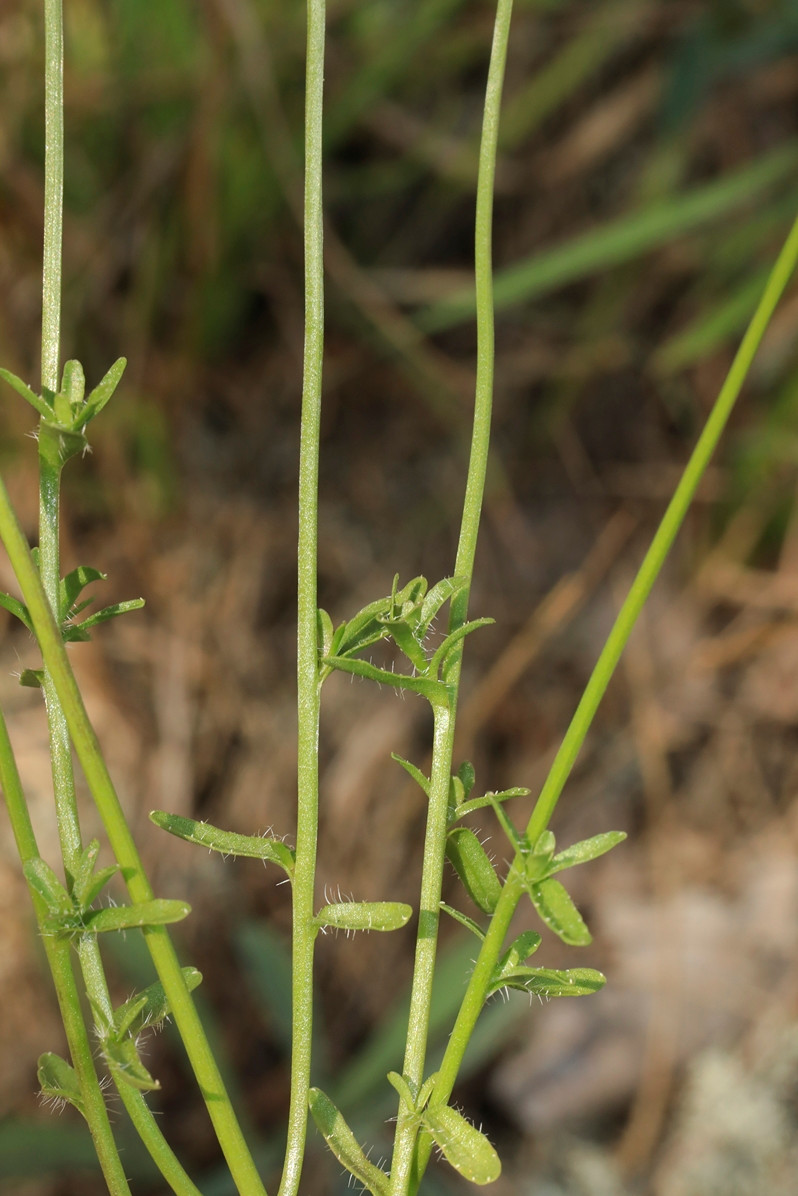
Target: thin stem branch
53,189
405,1174
308,684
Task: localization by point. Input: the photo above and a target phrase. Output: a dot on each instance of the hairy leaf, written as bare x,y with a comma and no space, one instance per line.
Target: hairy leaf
549,982
159,912
364,915
344,1145
464,1146
58,1081
475,870
558,911
588,849
227,843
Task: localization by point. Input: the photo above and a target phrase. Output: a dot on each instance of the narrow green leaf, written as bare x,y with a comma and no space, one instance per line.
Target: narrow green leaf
159,912
588,849
46,885
125,1064
31,678
364,915
518,840
478,803
110,612
85,884
149,1007
440,593
103,391
73,382
365,629
464,1146
59,1082
404,1090
558,911
471,863
411,770
434,691
18,609
405,640
538,862
467,776
71,586
344,1145
97,883
39,404
463,919
324,628
521,948
549,983
454,638
227,843
410,597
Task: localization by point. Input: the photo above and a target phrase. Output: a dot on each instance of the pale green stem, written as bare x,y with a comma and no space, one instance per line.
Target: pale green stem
308,683
53,189
404,1163
50,571
475,995
426,949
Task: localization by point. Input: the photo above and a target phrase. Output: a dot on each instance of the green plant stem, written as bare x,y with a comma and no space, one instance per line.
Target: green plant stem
124,848
66,806
404,1164
308,682
53,189
49,466
60,962
475,995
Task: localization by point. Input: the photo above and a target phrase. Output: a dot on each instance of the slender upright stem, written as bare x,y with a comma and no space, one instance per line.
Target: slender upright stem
308,685
53,189
404,1165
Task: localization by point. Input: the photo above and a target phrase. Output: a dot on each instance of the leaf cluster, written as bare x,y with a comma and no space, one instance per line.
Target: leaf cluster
406,616
70,910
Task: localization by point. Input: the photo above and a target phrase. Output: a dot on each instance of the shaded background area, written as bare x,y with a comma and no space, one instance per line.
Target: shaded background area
647,178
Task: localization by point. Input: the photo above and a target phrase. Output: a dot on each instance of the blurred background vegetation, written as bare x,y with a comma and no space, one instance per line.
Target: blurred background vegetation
647,177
